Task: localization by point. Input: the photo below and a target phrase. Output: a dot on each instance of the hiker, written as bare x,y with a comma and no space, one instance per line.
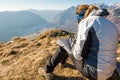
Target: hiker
95,50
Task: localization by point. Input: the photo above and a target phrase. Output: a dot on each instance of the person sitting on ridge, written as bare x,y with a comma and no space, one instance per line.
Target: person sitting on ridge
95,51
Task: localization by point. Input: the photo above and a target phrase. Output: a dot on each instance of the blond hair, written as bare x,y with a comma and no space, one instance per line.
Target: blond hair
86,7
89,10
80,8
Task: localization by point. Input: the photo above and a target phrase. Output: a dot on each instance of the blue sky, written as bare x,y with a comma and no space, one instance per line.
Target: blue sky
46,4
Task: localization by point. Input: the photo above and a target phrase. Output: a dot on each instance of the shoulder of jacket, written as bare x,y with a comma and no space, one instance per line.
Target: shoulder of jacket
89,20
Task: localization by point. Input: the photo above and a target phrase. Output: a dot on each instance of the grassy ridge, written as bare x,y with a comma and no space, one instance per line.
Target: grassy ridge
21,58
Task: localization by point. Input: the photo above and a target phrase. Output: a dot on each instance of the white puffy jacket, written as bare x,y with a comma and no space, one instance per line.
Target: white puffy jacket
96,45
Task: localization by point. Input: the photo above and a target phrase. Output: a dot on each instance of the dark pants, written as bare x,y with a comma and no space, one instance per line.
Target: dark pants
60,57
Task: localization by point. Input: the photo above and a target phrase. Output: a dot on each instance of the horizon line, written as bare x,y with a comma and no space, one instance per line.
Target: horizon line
14,10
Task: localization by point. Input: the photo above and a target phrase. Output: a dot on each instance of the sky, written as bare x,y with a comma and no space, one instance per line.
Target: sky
13,5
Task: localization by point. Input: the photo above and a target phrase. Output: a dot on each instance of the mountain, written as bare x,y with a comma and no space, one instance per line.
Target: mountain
63,20
114,16
102,5
117,4
67,19
48,15
116,12
19,23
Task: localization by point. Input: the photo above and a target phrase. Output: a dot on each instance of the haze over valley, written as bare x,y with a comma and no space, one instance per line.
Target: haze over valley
22,23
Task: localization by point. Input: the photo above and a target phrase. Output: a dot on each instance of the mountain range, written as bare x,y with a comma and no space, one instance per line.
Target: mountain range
22,23
19,23
48,15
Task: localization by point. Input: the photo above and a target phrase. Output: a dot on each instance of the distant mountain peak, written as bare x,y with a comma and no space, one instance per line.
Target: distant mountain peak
48,15
117,4
71,8
102,5
19,23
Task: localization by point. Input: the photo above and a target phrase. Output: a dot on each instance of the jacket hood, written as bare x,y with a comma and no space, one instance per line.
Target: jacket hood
100,12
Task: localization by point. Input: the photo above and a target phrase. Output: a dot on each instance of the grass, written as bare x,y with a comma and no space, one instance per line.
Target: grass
52,34
21,58
118,45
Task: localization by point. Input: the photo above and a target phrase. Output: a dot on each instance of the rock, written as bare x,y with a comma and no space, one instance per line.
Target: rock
38,44
12,52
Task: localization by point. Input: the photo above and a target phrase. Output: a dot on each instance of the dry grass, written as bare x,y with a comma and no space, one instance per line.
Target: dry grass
20,59
53,34
118,51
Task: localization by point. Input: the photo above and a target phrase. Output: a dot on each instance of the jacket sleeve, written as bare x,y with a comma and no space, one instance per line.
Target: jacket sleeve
81,47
